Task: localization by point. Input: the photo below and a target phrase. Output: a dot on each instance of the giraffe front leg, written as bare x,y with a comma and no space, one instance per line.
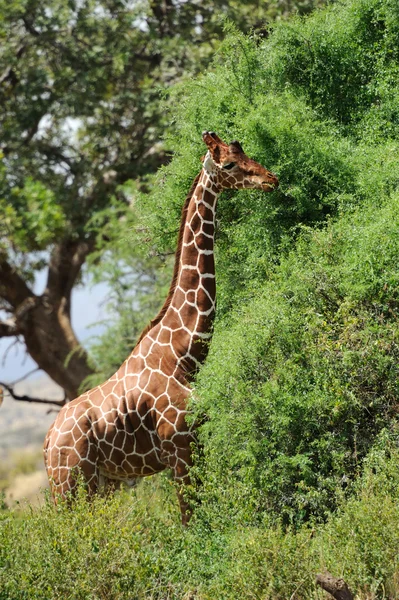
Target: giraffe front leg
67,462
182,479
64,479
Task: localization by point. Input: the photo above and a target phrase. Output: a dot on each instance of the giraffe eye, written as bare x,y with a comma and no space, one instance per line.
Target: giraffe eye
229,166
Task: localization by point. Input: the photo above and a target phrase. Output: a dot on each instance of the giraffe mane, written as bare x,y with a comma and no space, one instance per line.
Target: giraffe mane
172,288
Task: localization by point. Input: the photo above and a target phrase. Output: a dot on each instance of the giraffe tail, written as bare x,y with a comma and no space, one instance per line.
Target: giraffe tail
46,445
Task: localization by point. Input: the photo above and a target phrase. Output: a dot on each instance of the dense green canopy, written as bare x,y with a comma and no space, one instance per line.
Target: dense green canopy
81,93
303,368
296,469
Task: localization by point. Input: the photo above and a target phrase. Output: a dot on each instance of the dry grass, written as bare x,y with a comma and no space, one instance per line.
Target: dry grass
22,476
27,489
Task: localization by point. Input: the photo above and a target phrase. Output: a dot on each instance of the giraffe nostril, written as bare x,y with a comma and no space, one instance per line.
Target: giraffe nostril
272,180
270,184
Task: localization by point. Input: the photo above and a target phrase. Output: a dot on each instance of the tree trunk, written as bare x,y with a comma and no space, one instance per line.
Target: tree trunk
45,321
52,343
335,586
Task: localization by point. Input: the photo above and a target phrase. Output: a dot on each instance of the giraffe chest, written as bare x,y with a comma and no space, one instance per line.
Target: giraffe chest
128,445
132,433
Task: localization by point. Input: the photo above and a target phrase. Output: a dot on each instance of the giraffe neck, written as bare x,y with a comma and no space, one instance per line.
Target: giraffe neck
192,307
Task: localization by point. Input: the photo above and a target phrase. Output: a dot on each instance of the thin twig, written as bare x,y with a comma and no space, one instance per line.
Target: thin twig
13,343
25,398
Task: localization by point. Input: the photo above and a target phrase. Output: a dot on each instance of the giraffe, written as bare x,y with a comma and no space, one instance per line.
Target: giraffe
134,424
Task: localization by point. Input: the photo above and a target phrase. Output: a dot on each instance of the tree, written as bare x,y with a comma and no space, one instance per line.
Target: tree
81,116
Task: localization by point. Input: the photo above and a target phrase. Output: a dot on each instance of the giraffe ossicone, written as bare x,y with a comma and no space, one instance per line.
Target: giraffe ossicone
134,424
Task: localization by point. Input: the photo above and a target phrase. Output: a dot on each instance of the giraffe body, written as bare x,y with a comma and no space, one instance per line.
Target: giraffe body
134,424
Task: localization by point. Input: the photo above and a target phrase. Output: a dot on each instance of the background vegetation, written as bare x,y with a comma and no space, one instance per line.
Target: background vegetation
299,448
81,86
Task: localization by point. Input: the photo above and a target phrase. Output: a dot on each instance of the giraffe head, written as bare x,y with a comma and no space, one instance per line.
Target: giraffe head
234,169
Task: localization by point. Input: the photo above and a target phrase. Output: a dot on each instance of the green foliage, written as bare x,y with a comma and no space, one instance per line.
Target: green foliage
296,388
72,554
77,118
279,131
297,462
81,86
133,546
323,169
302,373
32,209
345,60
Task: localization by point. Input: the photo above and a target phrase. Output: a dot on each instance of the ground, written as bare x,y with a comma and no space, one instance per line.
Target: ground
22,430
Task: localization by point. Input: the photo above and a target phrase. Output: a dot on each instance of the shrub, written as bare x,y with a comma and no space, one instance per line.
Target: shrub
299,382
133,546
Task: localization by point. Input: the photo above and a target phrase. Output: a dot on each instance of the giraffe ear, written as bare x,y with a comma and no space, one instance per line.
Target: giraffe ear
237,146
210,138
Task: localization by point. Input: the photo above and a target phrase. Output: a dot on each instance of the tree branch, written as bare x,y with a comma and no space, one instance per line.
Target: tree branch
52,152
9,75
25,398
12,287
163,12
29,26
68,257
9,328
65,264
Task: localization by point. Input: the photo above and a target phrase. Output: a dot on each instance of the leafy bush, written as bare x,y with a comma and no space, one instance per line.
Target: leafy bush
263,93
133,546
297,387
302,373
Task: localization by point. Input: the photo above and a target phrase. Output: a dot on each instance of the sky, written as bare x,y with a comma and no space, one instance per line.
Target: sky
88,308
